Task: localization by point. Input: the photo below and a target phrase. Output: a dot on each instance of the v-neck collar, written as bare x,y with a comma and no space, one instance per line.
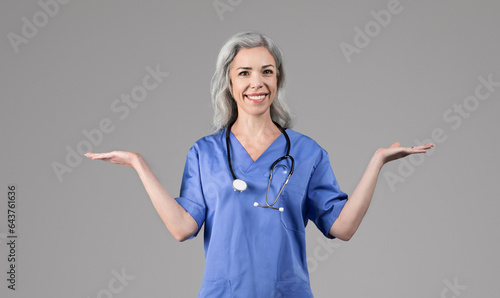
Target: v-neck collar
241,158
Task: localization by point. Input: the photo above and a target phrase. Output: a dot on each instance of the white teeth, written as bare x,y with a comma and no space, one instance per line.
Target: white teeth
256,97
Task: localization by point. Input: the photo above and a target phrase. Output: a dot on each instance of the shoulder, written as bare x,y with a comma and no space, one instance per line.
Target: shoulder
302,141
306,147
209,143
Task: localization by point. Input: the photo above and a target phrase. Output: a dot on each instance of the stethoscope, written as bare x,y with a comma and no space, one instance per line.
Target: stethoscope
240,185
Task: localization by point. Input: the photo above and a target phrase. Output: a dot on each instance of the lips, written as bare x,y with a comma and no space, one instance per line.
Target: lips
256,97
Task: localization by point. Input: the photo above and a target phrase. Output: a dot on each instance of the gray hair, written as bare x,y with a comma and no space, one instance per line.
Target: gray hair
225,108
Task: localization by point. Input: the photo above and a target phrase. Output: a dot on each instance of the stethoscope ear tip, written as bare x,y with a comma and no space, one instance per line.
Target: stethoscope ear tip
280,209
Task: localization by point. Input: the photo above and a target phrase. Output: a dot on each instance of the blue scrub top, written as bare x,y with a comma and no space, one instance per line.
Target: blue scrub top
252,251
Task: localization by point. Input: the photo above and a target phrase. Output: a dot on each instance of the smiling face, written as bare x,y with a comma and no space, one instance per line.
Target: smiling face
253,75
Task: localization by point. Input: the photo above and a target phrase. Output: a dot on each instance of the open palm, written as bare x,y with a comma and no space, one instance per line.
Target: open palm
395,151
118,157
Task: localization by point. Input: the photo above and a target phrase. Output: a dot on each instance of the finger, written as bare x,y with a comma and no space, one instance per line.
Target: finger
425,146
397,144
417,149
92,155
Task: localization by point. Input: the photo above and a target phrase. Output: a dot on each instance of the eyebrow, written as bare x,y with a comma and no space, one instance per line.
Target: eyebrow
249,68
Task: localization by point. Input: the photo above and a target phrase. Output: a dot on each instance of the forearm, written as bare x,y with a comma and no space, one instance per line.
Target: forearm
357,205
177,220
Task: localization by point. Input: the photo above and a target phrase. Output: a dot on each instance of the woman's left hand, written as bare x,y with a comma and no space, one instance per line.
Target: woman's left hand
396,151
355,209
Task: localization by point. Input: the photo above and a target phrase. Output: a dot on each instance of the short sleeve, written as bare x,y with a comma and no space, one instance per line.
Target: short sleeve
325,200
191,196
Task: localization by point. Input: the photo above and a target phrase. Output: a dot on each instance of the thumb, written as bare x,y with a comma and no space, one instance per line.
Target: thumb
397,144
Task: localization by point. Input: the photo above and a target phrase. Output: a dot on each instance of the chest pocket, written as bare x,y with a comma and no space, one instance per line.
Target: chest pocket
291,199
292,217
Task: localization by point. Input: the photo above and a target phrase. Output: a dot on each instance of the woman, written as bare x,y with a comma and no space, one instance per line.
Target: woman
254,231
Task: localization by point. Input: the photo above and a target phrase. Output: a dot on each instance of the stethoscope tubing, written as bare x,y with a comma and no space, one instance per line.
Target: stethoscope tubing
240,185
285,183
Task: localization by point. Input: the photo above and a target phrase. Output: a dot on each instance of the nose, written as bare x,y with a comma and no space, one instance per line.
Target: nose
256,81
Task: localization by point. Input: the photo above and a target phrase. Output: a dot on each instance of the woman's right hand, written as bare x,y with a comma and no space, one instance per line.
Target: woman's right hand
177,220
119,157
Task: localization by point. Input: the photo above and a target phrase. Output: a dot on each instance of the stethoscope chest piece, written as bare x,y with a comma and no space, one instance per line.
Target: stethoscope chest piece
239,185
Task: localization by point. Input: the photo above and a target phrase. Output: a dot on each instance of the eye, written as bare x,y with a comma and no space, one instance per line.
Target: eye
268,71
243,73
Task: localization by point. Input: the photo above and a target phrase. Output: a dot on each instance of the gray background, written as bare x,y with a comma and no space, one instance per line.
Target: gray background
436,227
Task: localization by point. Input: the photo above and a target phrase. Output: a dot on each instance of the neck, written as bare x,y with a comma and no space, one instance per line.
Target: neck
254,126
